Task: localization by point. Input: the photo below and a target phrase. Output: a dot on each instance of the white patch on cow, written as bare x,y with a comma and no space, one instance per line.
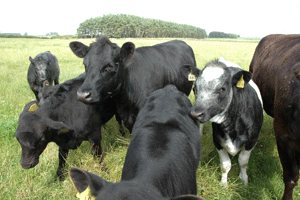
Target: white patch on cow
212,73
225,165
230,147
254,86
251,83
243,162
228,64
220,118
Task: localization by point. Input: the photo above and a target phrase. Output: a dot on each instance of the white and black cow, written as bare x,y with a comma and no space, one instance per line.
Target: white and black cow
228,98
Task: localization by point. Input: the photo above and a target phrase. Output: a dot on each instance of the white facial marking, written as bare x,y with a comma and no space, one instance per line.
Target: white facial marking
253,85
211,73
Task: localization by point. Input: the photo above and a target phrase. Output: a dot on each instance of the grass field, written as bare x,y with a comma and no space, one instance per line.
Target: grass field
265,172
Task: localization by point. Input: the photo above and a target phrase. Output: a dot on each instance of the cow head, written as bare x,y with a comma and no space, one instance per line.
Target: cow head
91,186
104,66
34,132
40,68
214,88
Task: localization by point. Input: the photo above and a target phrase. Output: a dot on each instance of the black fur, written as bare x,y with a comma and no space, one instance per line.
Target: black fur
163,155
129,75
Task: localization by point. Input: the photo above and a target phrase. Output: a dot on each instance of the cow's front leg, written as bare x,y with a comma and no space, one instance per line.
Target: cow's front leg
63,154
243,162
225,165
95,141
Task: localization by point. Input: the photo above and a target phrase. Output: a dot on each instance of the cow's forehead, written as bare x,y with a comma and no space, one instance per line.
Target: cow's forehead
212,73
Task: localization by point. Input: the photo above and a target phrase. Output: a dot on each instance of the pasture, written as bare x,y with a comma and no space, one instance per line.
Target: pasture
265,172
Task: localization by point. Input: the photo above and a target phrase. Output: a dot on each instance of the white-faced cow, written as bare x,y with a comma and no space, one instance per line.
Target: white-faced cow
276,71
62,119
129,75
162,158
228,97
43,67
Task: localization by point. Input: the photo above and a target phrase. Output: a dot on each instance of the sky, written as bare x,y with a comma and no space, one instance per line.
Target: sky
255,18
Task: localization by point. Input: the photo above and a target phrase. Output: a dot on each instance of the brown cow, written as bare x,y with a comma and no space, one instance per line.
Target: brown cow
276,71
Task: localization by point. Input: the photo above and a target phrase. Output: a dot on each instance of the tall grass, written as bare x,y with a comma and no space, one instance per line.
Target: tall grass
265,172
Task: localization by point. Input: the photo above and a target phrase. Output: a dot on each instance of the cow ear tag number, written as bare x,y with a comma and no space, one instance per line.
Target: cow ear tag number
86,194
241,82
33,107
191,77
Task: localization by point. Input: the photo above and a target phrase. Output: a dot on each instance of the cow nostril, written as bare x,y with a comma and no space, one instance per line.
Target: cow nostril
84,96
198,115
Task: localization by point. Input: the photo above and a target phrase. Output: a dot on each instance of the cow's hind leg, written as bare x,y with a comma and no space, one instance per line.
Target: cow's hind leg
63,154
243,162
288,158
225,165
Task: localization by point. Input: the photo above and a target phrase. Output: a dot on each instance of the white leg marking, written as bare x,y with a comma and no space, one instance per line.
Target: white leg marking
225,165
201,129
243,161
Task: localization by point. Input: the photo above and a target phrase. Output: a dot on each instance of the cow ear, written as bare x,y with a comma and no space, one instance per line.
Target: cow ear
79,49
190,72
87,184
127,51
31,60
296,70
187,197
59,127
241,78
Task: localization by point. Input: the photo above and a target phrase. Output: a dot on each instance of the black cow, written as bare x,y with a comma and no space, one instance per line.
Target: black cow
129,75
43,67
163,155
228,97
276,71
62,119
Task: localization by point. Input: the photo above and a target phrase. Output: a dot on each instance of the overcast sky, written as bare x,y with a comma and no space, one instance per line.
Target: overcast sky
254,18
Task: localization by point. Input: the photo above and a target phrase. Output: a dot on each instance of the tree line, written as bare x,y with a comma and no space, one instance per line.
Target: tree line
130,26
216,34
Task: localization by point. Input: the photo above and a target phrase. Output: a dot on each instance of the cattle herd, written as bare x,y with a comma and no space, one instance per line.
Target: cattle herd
146,88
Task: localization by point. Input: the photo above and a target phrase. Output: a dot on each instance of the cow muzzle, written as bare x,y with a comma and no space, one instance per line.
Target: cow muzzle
29,164
85,97
198,115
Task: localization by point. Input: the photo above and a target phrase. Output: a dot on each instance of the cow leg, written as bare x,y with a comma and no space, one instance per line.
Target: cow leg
121,129
287,158
225,165
243,162
95,141
201,129
56,82
63,154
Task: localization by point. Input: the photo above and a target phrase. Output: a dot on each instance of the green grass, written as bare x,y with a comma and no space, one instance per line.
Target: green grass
265,172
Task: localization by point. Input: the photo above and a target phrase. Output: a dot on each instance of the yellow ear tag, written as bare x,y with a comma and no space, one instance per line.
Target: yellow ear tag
64,130
191,77
33,107
86,194
241,82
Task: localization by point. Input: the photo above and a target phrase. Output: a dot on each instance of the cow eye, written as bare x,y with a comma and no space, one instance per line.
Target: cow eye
108,68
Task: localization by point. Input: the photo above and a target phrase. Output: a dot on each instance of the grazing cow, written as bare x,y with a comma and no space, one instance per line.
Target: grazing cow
43,67
129,75
163,155
276,71
228,97
62,119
